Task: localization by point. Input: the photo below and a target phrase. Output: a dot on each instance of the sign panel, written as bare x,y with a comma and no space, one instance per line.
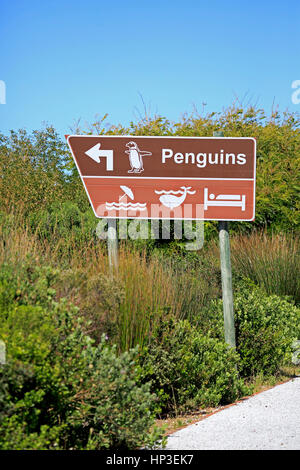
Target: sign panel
195,178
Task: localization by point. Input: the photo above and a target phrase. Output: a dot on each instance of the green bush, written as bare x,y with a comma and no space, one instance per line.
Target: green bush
29,398
117,410
189,369
27,283
93,401
58,390
266,326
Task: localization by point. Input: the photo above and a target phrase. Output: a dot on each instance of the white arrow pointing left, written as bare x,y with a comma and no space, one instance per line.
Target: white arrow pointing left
95,153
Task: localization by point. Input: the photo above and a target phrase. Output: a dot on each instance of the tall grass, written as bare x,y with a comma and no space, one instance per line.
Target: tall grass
271,261
17,242
146,289
152,290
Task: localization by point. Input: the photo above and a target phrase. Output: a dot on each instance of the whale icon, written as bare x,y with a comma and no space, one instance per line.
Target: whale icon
170,198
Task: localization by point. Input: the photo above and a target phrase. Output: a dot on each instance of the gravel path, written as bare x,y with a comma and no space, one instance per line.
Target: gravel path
269,420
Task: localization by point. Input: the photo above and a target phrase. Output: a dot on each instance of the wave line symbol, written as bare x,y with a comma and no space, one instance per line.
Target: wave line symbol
118,206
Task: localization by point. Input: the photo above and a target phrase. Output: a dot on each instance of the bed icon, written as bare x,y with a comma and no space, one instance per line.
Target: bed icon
225,200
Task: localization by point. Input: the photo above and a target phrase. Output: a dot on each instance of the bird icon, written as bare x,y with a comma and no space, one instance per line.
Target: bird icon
136,157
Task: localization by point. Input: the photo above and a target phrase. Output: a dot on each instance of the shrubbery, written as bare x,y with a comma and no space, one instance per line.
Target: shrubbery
61,390
266,326
58,390
190,370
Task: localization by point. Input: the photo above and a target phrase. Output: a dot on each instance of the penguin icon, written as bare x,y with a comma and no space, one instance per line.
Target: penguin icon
136,157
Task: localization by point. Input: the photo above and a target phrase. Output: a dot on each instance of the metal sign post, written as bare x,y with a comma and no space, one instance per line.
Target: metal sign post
226,275
2,353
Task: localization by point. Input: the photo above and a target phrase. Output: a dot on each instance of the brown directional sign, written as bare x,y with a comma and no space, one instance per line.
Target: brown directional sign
200,178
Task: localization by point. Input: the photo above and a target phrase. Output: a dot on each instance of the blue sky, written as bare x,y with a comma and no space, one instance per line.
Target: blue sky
63,60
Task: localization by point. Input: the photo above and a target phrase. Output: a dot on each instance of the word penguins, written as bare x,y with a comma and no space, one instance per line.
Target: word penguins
203,159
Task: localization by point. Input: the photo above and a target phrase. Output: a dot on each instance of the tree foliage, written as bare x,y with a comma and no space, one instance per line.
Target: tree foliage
37,170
